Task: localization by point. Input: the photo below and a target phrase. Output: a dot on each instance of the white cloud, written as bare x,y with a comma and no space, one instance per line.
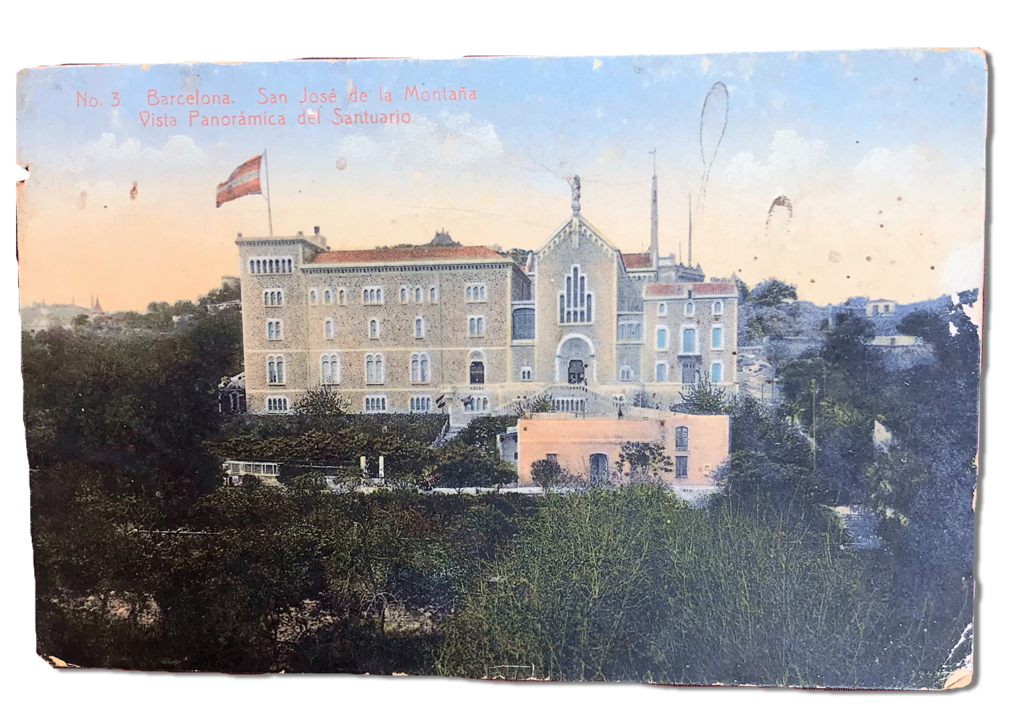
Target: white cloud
453,140
901,166
791,161
178,151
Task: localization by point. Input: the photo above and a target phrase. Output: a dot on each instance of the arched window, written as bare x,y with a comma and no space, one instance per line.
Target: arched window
329,368
433,294
626,373
419,368
689,308
312,298
374,329
275,369
662,309
328,329
476,370
418,297
575,305
526,374
375,368
424,368
417,328
342,297
717,308
327,295
403,295
414,368
682,438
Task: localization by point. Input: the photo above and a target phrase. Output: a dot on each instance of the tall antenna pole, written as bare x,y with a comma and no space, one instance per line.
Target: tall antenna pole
689,234
266,167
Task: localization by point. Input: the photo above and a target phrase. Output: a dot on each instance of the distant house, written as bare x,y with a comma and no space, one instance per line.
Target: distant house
901,351
880,307
231,395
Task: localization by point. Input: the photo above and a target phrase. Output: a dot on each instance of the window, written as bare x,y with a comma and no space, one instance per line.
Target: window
312,297
374,329
433,294
418,295
661,338
662,309
475,404
476,326
373,296
716,372
327,296
328,328
274,329
277,404
551,457
275,369
522,324
682,465
476,372
403,295
270,266
874,310
329,368
626,373
476,292
716,337
886,308
661,371
273,297
419,404
682,438
375,404
689,341
716,309
374,368
630,331
575,304
417,327
419,368
342,297
526,374
689,310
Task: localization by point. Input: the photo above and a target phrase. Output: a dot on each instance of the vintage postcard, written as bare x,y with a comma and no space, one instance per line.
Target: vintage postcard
654,369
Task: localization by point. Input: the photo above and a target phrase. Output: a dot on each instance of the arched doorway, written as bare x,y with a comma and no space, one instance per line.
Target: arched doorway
598,467
575,360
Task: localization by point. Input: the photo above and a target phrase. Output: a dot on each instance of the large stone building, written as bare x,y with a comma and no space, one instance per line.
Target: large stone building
413,329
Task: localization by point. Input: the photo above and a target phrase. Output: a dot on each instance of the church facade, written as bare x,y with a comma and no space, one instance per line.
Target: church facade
468,331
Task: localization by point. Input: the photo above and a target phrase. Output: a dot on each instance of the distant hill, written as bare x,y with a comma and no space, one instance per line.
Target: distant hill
43,316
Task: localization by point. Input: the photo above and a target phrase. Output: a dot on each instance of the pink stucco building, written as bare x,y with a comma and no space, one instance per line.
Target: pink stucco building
590,446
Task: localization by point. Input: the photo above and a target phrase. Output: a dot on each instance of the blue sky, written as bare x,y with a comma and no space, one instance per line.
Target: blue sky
847,137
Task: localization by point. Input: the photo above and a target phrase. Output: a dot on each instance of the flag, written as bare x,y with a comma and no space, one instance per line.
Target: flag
245,180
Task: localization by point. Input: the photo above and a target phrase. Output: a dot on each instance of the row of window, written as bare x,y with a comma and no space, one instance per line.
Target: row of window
270,265
690,309
688,335
476,324
476,292
661,372
379,403
375,369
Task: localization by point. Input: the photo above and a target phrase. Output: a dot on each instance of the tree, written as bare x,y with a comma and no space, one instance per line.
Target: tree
772,292
546,473
645,460
321,402
461,466
703,398
80,320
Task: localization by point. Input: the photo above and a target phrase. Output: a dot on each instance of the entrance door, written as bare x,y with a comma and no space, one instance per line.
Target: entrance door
689,369
575,371
598,467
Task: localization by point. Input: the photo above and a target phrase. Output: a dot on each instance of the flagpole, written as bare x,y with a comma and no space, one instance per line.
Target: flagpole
270,219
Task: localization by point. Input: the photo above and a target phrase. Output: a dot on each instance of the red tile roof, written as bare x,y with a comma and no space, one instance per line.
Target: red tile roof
636,260
699,289
406,255
714,289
